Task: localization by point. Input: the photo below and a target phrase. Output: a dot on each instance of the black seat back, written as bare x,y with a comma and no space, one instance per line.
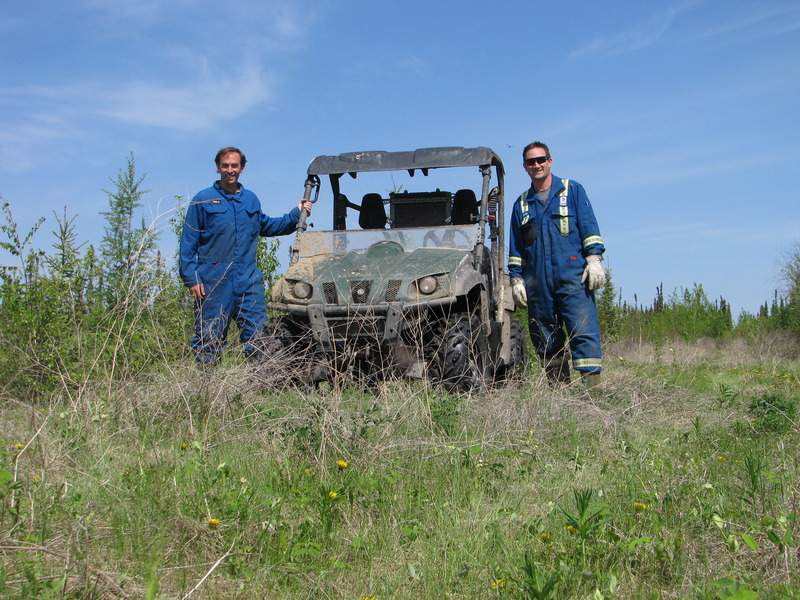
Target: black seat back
372,214
465,208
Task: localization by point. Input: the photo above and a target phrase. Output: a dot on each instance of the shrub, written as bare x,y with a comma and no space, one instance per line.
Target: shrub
773,412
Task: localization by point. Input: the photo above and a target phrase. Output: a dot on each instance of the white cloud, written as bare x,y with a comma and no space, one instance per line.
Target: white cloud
193,107
413,63
765,21
187,82
22,141
274,22
640,36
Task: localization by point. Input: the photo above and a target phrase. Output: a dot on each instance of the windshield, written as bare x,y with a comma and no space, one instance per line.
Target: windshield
317,243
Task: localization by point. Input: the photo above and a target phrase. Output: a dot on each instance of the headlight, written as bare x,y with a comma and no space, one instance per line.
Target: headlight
427,285
301,290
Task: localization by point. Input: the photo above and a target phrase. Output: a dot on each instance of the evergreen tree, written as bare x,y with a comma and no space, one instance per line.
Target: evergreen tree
608,311
791,277
125,248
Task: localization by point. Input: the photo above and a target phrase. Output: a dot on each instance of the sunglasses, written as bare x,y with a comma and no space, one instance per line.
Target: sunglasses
536,160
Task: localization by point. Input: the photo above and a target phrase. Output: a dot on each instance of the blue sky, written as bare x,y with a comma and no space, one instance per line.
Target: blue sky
680,118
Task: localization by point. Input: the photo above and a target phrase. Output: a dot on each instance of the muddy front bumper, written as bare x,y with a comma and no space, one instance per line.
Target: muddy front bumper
391,334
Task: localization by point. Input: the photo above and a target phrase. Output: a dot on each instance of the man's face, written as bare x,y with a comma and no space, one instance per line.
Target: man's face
230,167
537,165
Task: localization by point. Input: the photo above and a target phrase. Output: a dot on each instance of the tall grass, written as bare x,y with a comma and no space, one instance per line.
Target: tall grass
672,480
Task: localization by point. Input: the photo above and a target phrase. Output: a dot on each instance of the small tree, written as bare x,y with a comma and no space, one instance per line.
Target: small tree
125,249
18,246
791,277
608,311
267,260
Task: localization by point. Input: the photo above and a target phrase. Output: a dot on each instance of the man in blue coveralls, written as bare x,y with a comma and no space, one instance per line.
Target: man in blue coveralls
554,258
218,259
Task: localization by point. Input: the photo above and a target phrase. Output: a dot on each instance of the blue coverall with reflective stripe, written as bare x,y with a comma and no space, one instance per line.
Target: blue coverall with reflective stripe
218,249
547,249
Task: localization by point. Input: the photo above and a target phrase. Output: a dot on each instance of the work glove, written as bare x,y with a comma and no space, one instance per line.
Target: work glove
594,272
519,293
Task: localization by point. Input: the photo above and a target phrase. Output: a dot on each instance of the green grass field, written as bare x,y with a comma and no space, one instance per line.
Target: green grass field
677,478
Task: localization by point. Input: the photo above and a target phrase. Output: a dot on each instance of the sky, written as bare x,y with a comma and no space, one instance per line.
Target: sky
680,118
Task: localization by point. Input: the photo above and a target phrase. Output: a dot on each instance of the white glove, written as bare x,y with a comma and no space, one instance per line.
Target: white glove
594,272
519,293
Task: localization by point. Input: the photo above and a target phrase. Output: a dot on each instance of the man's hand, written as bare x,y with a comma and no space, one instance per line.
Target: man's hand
594,272
198,291
305,205
519,293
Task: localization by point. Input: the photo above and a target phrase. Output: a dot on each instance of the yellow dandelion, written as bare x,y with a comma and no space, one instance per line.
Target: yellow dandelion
184,446
546,538
368,598
332,495
342,464
499,584
213,523
720,458
571,529
640,506
19,446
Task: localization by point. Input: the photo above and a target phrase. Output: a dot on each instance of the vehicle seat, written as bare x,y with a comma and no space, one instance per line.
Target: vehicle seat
372,214
465,208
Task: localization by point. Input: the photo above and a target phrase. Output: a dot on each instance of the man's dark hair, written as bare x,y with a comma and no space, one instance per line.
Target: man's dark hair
228,149
541,145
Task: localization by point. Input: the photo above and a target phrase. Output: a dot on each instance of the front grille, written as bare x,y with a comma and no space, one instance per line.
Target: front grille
329,289
367,327
359,290
392,289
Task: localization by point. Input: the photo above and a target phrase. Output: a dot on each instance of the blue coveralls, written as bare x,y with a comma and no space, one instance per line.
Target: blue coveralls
547,246
218,249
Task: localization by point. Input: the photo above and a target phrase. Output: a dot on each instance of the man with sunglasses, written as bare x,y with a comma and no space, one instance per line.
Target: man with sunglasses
555,251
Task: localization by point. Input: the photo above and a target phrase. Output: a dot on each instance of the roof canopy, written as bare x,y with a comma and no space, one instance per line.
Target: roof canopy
424,159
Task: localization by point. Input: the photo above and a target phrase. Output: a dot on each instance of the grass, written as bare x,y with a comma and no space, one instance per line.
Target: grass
677,478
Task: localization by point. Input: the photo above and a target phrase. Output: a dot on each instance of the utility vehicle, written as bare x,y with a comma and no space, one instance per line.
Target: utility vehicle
411,279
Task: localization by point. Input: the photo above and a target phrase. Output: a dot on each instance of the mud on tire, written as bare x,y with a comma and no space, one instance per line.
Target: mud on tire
462,353
514,370
285,356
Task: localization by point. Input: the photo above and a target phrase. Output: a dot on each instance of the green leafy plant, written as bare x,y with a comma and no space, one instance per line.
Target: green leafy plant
589,516
537,583
726,395
773,413
729,589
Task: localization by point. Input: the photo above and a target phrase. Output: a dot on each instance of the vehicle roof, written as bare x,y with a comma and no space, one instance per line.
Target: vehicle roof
422,158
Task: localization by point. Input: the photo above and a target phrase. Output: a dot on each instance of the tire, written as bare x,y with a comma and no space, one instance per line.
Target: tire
277,342
462,354
519,354
286,360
